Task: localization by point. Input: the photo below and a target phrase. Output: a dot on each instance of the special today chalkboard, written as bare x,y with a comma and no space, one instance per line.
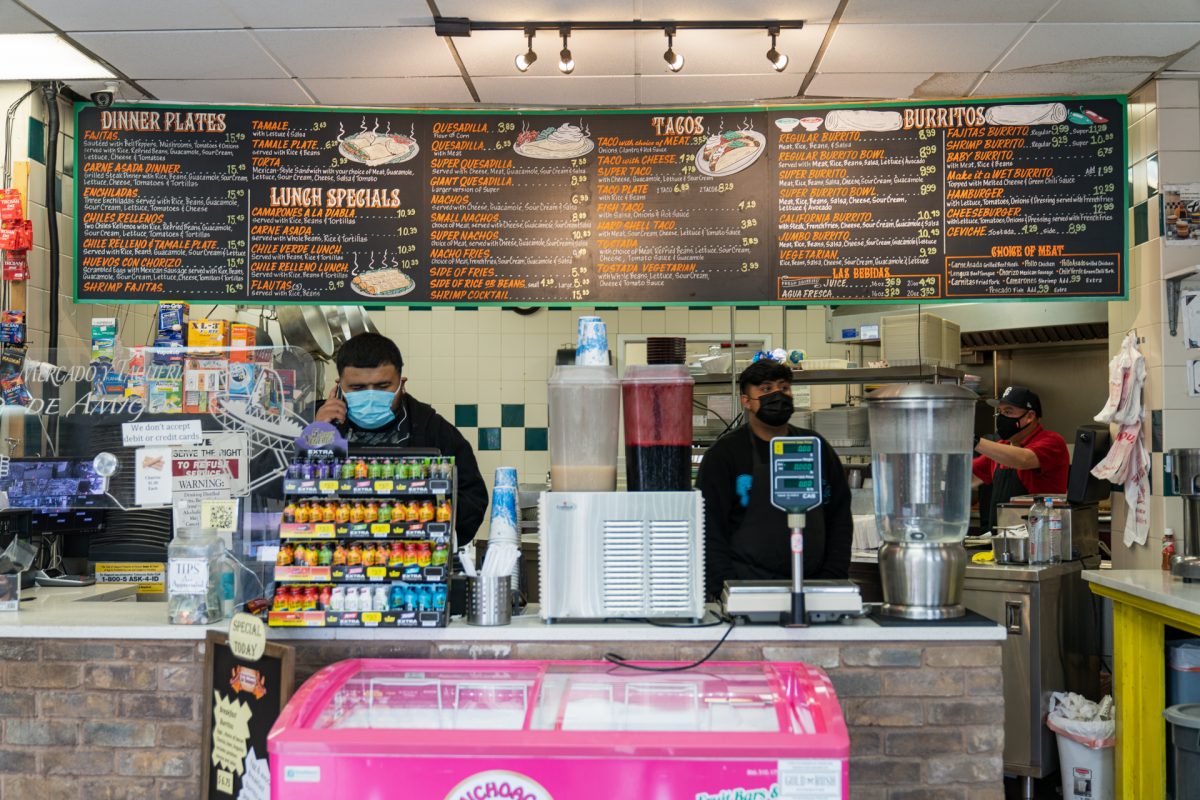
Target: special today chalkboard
954,200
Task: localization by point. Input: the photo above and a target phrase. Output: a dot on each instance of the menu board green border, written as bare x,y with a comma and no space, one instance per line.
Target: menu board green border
1121,100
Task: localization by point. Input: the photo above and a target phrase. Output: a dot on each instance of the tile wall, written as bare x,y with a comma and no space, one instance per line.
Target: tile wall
1164,148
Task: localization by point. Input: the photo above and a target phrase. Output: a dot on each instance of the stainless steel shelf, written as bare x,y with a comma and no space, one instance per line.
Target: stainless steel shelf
877,375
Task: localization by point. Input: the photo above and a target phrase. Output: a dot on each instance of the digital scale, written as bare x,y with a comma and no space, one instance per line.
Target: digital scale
796,488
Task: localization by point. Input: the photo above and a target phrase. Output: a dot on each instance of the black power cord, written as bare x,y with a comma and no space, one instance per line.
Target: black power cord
621,661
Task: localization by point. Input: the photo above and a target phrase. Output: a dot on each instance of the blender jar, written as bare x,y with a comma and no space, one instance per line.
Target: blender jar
921,437
585,408
658,427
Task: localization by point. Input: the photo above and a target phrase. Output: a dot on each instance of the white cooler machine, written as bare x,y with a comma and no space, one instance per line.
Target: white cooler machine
607,555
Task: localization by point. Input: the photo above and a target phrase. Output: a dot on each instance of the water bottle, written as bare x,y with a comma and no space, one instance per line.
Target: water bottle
1038,544
1054,524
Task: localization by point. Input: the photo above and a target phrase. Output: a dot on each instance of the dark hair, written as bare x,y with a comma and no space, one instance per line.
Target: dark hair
368,351
763,371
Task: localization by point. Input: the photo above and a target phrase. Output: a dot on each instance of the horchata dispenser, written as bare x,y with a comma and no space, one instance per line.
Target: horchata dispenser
921,437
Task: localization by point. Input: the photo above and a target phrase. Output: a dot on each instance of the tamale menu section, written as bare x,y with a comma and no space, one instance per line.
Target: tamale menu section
993,199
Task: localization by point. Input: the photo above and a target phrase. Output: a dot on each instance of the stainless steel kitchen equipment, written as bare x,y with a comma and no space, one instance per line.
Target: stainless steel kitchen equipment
1081,523
1010,546
921,467
1053,633
621,555
1185,475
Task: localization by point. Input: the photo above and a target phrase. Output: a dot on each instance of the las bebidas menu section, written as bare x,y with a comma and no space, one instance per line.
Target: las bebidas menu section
995,199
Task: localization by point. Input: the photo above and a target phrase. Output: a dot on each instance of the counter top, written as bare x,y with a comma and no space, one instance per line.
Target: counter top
64,613
989,570
1154,585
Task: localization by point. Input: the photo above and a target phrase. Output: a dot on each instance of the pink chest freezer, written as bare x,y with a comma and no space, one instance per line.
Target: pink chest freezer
560,730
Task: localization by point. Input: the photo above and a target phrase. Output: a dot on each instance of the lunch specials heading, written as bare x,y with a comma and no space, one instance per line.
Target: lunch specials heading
994,199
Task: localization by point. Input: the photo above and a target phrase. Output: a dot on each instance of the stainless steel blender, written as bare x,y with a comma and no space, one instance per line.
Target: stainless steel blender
921,465
1185,473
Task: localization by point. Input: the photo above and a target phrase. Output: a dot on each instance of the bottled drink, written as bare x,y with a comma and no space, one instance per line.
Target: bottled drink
1054,524
1168,547
1039,550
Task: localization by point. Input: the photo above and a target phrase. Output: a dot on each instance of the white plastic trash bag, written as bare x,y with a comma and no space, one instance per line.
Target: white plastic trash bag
1080,720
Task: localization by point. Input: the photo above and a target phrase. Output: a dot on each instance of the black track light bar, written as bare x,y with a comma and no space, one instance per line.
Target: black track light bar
464,26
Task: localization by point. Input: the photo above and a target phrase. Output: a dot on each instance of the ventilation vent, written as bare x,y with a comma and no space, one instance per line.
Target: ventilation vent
624,566
1003,339
670,566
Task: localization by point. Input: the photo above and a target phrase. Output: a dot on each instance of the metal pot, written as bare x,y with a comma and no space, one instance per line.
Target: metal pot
1010,548
358,320
307,328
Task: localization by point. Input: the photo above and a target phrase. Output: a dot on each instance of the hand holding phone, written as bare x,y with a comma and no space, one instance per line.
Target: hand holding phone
333,410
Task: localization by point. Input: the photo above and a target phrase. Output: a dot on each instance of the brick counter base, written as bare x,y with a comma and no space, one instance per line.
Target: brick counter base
101,720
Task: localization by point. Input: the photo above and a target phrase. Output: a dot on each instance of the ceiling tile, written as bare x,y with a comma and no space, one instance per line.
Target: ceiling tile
1125,11
730,52
879,86
14,19
323,14
543,10
1084,47
389,91
266,92
917,48
563,90
135,15
1189,61
658,90
360,52
177,55
946,11
594,52
807,10
997,84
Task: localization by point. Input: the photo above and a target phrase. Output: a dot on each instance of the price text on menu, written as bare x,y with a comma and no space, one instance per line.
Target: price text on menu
984,200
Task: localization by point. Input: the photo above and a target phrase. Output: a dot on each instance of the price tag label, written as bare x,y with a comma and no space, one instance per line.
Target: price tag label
381,528
371,617
328,486
323,529
384,486
376,573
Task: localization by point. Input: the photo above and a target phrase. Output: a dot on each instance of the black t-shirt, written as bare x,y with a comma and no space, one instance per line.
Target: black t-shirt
726,479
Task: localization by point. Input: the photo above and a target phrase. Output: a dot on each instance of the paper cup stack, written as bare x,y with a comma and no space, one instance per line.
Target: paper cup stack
504,539
591,343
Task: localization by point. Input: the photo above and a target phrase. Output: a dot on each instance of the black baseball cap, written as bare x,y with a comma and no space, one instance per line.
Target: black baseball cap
1021,397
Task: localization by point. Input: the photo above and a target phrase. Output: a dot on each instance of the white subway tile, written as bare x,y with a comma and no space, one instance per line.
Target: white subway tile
536,415
512,391
489,320
489,413
466,392
535,392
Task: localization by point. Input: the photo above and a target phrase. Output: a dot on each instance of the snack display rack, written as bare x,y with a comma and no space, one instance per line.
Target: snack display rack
370,549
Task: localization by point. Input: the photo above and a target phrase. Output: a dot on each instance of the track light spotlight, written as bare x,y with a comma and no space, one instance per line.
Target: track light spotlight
778,60
525,60
674,60
566,64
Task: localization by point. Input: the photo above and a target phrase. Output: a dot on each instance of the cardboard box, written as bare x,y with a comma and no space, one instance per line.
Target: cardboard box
241,338
203,380
104,339
164,395
208,334
906,339
173,318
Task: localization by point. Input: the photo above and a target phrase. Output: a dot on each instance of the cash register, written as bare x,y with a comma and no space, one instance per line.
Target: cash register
796,488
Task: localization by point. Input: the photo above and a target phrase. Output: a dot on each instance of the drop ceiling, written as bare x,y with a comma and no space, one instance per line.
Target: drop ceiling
364,52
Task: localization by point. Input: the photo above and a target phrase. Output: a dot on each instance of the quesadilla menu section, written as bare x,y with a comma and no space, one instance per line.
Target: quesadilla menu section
994,199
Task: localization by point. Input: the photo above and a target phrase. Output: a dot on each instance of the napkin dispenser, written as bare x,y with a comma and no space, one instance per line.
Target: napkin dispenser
606,555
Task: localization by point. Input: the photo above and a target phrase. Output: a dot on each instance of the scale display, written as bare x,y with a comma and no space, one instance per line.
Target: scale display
796,473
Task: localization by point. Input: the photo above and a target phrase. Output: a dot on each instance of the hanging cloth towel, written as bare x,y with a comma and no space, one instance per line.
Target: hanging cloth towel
1128,462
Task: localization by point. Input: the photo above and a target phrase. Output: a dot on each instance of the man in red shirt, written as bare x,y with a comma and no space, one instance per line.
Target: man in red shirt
1028,459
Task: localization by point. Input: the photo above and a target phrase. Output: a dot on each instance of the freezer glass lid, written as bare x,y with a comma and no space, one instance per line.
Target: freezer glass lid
432,700
721,699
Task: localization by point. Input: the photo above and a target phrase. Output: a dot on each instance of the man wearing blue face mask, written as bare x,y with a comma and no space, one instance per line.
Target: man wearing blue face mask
369,405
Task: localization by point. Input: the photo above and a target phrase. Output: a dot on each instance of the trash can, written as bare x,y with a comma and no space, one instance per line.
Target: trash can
1185,736
1086,734
1183,672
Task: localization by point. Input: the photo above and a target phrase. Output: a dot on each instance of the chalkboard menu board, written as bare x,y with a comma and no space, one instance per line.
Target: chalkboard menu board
994,199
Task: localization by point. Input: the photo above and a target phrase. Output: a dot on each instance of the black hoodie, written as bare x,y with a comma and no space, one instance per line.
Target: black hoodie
418,425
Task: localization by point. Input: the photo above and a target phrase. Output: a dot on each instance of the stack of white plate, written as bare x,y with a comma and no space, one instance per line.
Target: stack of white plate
845,424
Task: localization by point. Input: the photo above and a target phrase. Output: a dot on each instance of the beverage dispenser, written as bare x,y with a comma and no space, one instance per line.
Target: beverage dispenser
921,437
1185,472
658,427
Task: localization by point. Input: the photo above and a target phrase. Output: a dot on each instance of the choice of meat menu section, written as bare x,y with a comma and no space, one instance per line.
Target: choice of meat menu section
1000,199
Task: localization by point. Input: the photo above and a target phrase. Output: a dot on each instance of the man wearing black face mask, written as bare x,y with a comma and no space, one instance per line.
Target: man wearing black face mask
746,538
1028,459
